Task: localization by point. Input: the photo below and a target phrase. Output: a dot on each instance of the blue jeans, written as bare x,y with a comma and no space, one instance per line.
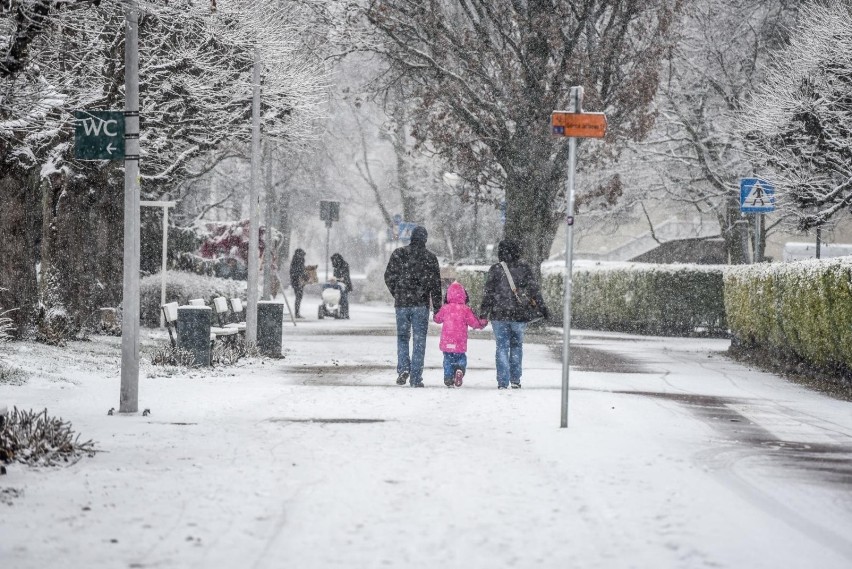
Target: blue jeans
410,318
453,361
510,351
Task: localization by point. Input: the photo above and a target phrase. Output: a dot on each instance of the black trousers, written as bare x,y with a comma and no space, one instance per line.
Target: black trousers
299,291
344,305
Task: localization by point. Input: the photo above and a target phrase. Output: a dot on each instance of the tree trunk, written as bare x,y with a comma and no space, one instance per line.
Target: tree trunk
18,235
269,249
284,227
409,204
736,241
82,253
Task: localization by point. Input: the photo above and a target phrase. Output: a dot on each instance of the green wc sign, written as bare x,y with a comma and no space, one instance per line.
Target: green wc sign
99,135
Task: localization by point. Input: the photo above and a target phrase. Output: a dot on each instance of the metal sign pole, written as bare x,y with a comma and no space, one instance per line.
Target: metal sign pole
577,107
165,206
129,394
758,222
254,197
327,238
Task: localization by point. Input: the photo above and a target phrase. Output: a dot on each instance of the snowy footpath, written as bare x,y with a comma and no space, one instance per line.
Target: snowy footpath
675,456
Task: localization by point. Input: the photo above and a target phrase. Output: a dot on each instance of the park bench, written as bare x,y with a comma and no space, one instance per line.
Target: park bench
170,317
220,331
239,312
216,332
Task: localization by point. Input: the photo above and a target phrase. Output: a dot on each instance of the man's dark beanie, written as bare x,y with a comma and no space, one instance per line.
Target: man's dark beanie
419,235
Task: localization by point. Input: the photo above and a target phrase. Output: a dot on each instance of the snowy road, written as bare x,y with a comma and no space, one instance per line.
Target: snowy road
674,457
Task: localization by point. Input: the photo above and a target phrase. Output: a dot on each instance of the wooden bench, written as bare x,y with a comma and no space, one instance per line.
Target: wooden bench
170,317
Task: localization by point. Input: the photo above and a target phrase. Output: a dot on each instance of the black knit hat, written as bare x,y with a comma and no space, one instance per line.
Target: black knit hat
419,235
508,251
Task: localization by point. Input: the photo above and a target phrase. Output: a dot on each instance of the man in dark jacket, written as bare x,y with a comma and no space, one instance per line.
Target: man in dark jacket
341,273
508,318
414,279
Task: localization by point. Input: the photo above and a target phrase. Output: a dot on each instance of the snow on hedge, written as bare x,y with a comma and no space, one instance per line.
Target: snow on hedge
678,299
802,308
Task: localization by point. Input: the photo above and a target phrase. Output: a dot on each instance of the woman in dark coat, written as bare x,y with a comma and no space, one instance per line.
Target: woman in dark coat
298,277
341,272
508,318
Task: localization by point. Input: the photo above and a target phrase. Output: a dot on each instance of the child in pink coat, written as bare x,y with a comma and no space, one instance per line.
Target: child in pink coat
456,316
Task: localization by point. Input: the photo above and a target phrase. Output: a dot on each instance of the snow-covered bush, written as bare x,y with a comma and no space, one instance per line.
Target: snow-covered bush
676,300
473,281
37,439
166,355
374,289
180,288
801,309
632,297
7,374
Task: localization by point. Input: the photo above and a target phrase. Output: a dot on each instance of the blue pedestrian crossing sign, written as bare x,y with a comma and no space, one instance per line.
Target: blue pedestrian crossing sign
756,196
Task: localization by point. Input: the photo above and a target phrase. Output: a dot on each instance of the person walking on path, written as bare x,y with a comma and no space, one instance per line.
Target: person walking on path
341,273
298,277
413,279
456,316
502,305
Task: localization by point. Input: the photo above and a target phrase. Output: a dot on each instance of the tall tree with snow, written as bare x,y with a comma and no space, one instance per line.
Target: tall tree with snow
695,153
800,123
195,77
483,77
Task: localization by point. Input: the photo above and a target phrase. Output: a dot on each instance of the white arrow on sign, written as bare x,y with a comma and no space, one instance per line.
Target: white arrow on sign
110,148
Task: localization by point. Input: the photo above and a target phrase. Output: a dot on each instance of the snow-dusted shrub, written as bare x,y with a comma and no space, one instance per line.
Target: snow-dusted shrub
7,374
632,297
37,439
803,309
223,353
473,280
166,355
180,287
374,289
676,300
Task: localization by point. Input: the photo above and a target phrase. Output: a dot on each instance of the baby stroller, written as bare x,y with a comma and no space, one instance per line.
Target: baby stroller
332,293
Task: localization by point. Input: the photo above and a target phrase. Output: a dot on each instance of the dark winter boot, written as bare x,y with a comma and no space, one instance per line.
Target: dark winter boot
402,379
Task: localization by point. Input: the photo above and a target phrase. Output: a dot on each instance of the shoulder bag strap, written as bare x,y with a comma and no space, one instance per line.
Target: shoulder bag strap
511,280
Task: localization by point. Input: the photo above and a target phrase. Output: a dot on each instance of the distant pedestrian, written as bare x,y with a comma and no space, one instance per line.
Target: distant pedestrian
341,272
298,277
512,298
456,316
414,279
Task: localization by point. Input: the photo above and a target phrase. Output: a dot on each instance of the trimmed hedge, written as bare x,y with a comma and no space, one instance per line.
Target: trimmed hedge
802,309
180,287
670,300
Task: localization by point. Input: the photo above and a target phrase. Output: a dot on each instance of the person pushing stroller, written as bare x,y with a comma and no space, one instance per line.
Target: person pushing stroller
456,316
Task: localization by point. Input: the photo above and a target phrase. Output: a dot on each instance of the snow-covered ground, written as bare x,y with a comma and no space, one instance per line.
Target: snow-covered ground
674,457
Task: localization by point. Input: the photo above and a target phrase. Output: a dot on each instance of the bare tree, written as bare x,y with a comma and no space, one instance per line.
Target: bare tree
483,77
195,101
799,123
695,152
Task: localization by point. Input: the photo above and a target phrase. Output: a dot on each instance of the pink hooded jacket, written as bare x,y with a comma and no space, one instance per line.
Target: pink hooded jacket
456,316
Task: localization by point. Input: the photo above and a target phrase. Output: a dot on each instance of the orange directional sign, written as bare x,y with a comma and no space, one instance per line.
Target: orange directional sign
578,125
